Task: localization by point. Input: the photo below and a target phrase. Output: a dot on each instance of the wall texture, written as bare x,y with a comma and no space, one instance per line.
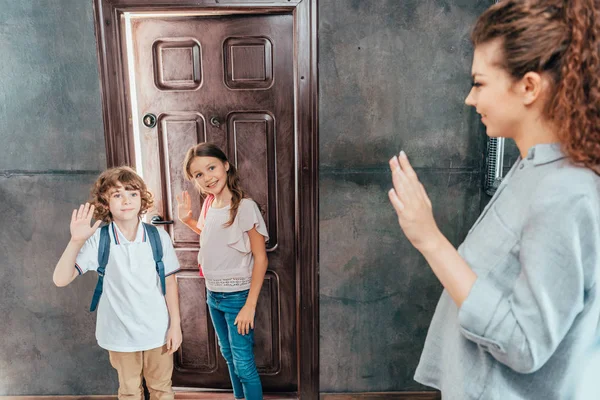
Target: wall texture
393,75
51,149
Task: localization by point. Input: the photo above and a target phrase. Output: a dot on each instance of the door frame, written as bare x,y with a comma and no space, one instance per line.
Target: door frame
120,147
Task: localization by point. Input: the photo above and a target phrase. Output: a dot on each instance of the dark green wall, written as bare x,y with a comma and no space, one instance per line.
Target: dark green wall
393,75
51,149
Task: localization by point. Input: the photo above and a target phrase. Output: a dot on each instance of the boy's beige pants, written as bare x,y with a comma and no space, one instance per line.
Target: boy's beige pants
155,365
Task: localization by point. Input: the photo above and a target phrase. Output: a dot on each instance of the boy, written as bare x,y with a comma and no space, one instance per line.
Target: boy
138,326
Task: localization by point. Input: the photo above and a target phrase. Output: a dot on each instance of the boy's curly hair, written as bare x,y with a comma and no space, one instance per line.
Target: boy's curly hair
109,179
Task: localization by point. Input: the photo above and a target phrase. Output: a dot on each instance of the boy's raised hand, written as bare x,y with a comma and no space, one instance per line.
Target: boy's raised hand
80,223
184,207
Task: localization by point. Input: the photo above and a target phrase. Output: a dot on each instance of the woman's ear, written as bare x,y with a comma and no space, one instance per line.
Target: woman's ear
532,85
226,166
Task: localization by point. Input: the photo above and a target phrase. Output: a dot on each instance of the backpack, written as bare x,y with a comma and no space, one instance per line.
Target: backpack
104,252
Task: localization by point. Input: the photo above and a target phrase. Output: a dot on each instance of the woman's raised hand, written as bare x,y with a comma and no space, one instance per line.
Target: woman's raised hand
412,205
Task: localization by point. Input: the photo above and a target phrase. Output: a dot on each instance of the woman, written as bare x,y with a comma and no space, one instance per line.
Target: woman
520,304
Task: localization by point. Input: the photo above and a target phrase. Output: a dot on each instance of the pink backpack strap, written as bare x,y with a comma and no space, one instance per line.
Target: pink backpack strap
204,210
205,206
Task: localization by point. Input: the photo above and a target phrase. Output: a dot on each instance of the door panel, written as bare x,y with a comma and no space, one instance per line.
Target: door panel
255,155
177,133
228,80
198,351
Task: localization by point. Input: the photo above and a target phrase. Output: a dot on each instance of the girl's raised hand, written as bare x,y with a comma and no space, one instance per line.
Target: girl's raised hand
184,207
412,205
81,230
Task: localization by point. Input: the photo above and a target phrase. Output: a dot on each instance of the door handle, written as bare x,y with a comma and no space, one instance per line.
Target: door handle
157,220
214,121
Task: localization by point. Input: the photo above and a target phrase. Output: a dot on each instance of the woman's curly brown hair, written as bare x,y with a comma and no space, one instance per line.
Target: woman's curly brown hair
560,38
110,179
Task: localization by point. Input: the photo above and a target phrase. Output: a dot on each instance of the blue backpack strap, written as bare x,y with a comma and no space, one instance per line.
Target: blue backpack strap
157,253
103,253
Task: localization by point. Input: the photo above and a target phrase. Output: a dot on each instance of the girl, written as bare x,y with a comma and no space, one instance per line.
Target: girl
233,259
520,305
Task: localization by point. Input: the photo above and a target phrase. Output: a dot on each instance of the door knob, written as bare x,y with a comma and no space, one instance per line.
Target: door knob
214,121
149,120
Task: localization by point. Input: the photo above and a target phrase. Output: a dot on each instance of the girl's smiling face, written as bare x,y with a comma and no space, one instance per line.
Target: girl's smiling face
210,174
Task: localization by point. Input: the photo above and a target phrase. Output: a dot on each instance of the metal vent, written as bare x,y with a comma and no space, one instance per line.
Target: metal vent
495,165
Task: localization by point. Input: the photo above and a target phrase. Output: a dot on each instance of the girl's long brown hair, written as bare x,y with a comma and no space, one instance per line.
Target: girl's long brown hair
233,179
560,38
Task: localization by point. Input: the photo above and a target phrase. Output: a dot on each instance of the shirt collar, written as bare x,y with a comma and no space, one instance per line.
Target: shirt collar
119,238
545,153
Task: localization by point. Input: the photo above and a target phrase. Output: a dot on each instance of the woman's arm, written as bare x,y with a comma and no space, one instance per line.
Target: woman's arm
560,239
415,216
559,246
450,268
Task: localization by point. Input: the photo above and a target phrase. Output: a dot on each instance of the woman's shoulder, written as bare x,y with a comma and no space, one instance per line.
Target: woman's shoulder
565,190
569,182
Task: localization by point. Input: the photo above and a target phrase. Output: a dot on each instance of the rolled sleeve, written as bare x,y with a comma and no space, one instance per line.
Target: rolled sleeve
523,328
480,307
87,258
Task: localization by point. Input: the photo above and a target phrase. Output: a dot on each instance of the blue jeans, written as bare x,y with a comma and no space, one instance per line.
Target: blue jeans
238,350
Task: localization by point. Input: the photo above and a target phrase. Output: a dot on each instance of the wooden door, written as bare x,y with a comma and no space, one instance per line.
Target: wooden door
227,80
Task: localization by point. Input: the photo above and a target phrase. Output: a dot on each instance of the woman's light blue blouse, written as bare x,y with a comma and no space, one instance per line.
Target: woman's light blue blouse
534,309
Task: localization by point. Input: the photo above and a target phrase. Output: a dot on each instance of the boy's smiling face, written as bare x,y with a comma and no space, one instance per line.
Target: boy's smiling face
124,205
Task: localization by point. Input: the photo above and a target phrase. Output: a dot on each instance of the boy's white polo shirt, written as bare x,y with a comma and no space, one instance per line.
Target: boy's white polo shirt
132,312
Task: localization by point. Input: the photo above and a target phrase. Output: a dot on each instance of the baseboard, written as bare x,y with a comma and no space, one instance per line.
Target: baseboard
56,397
216,396
382,396
178,396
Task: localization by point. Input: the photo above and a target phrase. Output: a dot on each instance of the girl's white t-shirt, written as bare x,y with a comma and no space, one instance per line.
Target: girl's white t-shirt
225,253
132,312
